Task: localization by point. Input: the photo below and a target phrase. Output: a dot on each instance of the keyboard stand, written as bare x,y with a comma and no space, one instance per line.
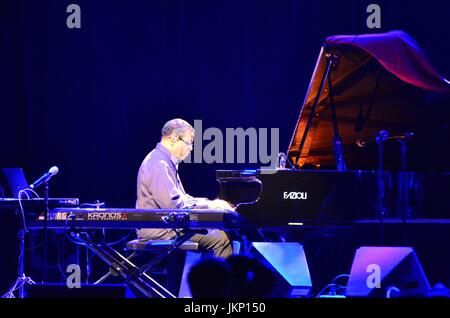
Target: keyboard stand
125,268
133,274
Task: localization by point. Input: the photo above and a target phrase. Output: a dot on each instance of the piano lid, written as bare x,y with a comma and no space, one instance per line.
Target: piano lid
381,82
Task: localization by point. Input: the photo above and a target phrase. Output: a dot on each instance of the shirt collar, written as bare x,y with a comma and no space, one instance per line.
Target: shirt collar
166,151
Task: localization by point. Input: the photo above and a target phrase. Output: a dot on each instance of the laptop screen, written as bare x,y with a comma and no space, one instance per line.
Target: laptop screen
16,180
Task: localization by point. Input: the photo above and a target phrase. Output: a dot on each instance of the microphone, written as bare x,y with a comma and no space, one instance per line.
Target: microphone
406,136
379,136
383,135
45,177
361,142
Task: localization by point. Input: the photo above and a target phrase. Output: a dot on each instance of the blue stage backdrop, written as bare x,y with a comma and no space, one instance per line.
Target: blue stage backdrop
93,100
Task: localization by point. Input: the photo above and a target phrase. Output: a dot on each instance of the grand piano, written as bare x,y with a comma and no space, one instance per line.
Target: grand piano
366,144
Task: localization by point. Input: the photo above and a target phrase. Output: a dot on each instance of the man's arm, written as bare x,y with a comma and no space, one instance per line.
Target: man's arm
168,195
164,189
204,203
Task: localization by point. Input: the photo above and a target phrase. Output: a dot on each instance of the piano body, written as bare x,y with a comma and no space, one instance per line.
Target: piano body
361,85
297,198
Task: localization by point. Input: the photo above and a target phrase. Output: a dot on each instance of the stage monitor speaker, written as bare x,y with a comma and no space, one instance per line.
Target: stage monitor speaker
288,261
59,290
379,271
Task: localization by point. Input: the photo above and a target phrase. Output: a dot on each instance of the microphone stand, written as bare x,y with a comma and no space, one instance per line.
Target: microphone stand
44,276
404,190
22,279
380,183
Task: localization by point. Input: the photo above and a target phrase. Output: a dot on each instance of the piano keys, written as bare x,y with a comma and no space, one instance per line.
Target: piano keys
117,218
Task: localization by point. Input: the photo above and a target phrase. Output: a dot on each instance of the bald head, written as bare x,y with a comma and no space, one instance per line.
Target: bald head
176,127
177,136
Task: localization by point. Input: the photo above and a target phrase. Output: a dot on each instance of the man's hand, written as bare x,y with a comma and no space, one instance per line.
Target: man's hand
220,205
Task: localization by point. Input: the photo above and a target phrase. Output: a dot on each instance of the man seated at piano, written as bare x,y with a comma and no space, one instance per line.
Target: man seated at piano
159,187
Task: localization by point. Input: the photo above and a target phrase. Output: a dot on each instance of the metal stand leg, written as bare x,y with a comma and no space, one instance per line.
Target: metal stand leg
21,280
111,272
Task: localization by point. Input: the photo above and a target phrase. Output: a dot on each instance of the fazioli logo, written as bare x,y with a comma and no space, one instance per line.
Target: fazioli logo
295,195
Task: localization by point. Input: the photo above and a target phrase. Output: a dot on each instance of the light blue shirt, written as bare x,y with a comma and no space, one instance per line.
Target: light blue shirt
160,187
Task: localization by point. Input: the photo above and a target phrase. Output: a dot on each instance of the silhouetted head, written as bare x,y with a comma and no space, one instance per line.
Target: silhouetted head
252,278
210,278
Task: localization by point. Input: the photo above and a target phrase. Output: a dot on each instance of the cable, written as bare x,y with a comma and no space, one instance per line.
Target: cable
333,284
19,197
66,230
73,240
123,238
34,247
392,290
59,255
337,287
97,204
21,208
31,190
339,276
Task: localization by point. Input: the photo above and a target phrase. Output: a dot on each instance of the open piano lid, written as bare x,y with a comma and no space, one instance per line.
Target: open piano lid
381,82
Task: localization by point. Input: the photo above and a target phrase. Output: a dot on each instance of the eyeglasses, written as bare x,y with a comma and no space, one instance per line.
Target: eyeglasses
187,143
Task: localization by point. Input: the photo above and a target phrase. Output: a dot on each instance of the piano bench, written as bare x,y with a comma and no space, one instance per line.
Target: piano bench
178,265
159,245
